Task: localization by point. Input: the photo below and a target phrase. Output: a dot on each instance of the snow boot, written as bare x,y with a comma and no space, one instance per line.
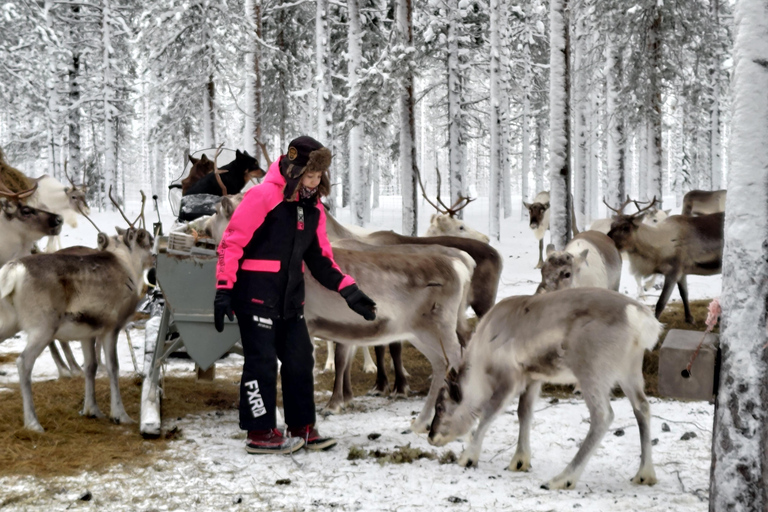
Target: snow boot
272,441
312,439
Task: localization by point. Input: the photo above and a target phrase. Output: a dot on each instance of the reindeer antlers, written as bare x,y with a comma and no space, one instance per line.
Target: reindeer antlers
141,215
67,175
264,150
620,211
217,172
452,210
16,196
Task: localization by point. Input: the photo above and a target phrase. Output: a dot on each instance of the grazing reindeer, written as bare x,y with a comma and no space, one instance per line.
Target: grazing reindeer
677,247
418,298
74,297
589,260
703,202
230,178
590,336
538,214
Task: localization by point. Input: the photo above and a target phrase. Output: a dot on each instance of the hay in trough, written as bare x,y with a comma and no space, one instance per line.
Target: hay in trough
72,444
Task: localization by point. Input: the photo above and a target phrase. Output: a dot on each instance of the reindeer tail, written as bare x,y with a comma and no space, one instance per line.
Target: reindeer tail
644,323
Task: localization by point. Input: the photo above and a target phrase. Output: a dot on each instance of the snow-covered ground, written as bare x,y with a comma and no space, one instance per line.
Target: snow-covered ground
209,470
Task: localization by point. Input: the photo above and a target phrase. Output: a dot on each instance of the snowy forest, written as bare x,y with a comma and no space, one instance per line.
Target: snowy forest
121,92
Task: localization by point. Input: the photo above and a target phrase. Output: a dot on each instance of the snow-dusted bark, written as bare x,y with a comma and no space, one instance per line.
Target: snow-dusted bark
323,73
540,168
209,114
457,150
494,208
357,178
52,111
252,104
582,150
655,177
641,155
740,438
526,143
559,125
108,90
404,19
616,190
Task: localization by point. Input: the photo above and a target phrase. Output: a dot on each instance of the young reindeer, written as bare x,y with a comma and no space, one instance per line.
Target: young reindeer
677,247
538,214
74,297
589,336
589,259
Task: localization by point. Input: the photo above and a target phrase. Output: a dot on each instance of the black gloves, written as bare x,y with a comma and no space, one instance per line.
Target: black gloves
359,302
222,305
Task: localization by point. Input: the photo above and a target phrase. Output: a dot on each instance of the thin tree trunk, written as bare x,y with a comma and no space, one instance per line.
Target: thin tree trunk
526,152
494,212
740,436
110,133
356,166
252,129
324,84
74,149
559,125
53,95
581,98
457,150
407,123
616,191
655,177
540,168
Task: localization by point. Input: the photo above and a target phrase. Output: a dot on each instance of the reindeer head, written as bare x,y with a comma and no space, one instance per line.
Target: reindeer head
33,220
440,225
76,195
624,227
450,421
559,269
536,213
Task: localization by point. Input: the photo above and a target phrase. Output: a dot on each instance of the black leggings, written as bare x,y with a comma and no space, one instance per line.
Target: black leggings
264,341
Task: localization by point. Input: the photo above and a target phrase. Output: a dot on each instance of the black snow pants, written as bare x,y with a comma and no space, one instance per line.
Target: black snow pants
264,341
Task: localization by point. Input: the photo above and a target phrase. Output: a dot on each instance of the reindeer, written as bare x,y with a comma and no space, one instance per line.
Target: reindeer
677,247
418,298
703,202
444,222
538,214
22,225
591,336
589,259
68,297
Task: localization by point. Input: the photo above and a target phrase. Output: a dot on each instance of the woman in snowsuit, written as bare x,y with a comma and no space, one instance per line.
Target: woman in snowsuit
278,226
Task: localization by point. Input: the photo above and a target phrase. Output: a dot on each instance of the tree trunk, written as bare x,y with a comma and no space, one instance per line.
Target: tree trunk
407,123
53,95
740,437
252,129
540,169
110,135
616,190
715,142
74,150
457,150
526,142
494,209
581,98
357,179
655,177
559,125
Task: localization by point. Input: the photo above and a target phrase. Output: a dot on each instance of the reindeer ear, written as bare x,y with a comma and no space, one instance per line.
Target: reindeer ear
130,236
102,241
227,207
667,211
546,205
527,205
550,249
581,258
120,231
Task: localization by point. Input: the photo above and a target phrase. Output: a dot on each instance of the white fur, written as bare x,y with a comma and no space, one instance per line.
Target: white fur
445,225
592,271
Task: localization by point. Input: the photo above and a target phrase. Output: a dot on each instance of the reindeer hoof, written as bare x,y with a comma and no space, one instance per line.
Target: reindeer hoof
520,464
558,483
122,420
400,393
645,478
467,461
92,413
35,427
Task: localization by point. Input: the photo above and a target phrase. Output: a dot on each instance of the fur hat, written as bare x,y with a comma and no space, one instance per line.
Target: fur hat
305,154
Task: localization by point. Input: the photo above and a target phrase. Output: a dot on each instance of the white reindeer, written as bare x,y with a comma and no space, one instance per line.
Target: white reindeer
591,336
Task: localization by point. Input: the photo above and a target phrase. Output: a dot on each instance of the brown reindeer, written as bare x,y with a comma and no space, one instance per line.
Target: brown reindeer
677,247
538,215
703,202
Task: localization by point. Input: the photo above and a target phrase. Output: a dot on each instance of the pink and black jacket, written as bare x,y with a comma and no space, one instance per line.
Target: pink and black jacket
262,251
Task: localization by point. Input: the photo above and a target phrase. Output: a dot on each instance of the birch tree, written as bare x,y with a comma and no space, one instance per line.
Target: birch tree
252,128
616,190
457,150
740,437
494,208
404,20
357,169
559,125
